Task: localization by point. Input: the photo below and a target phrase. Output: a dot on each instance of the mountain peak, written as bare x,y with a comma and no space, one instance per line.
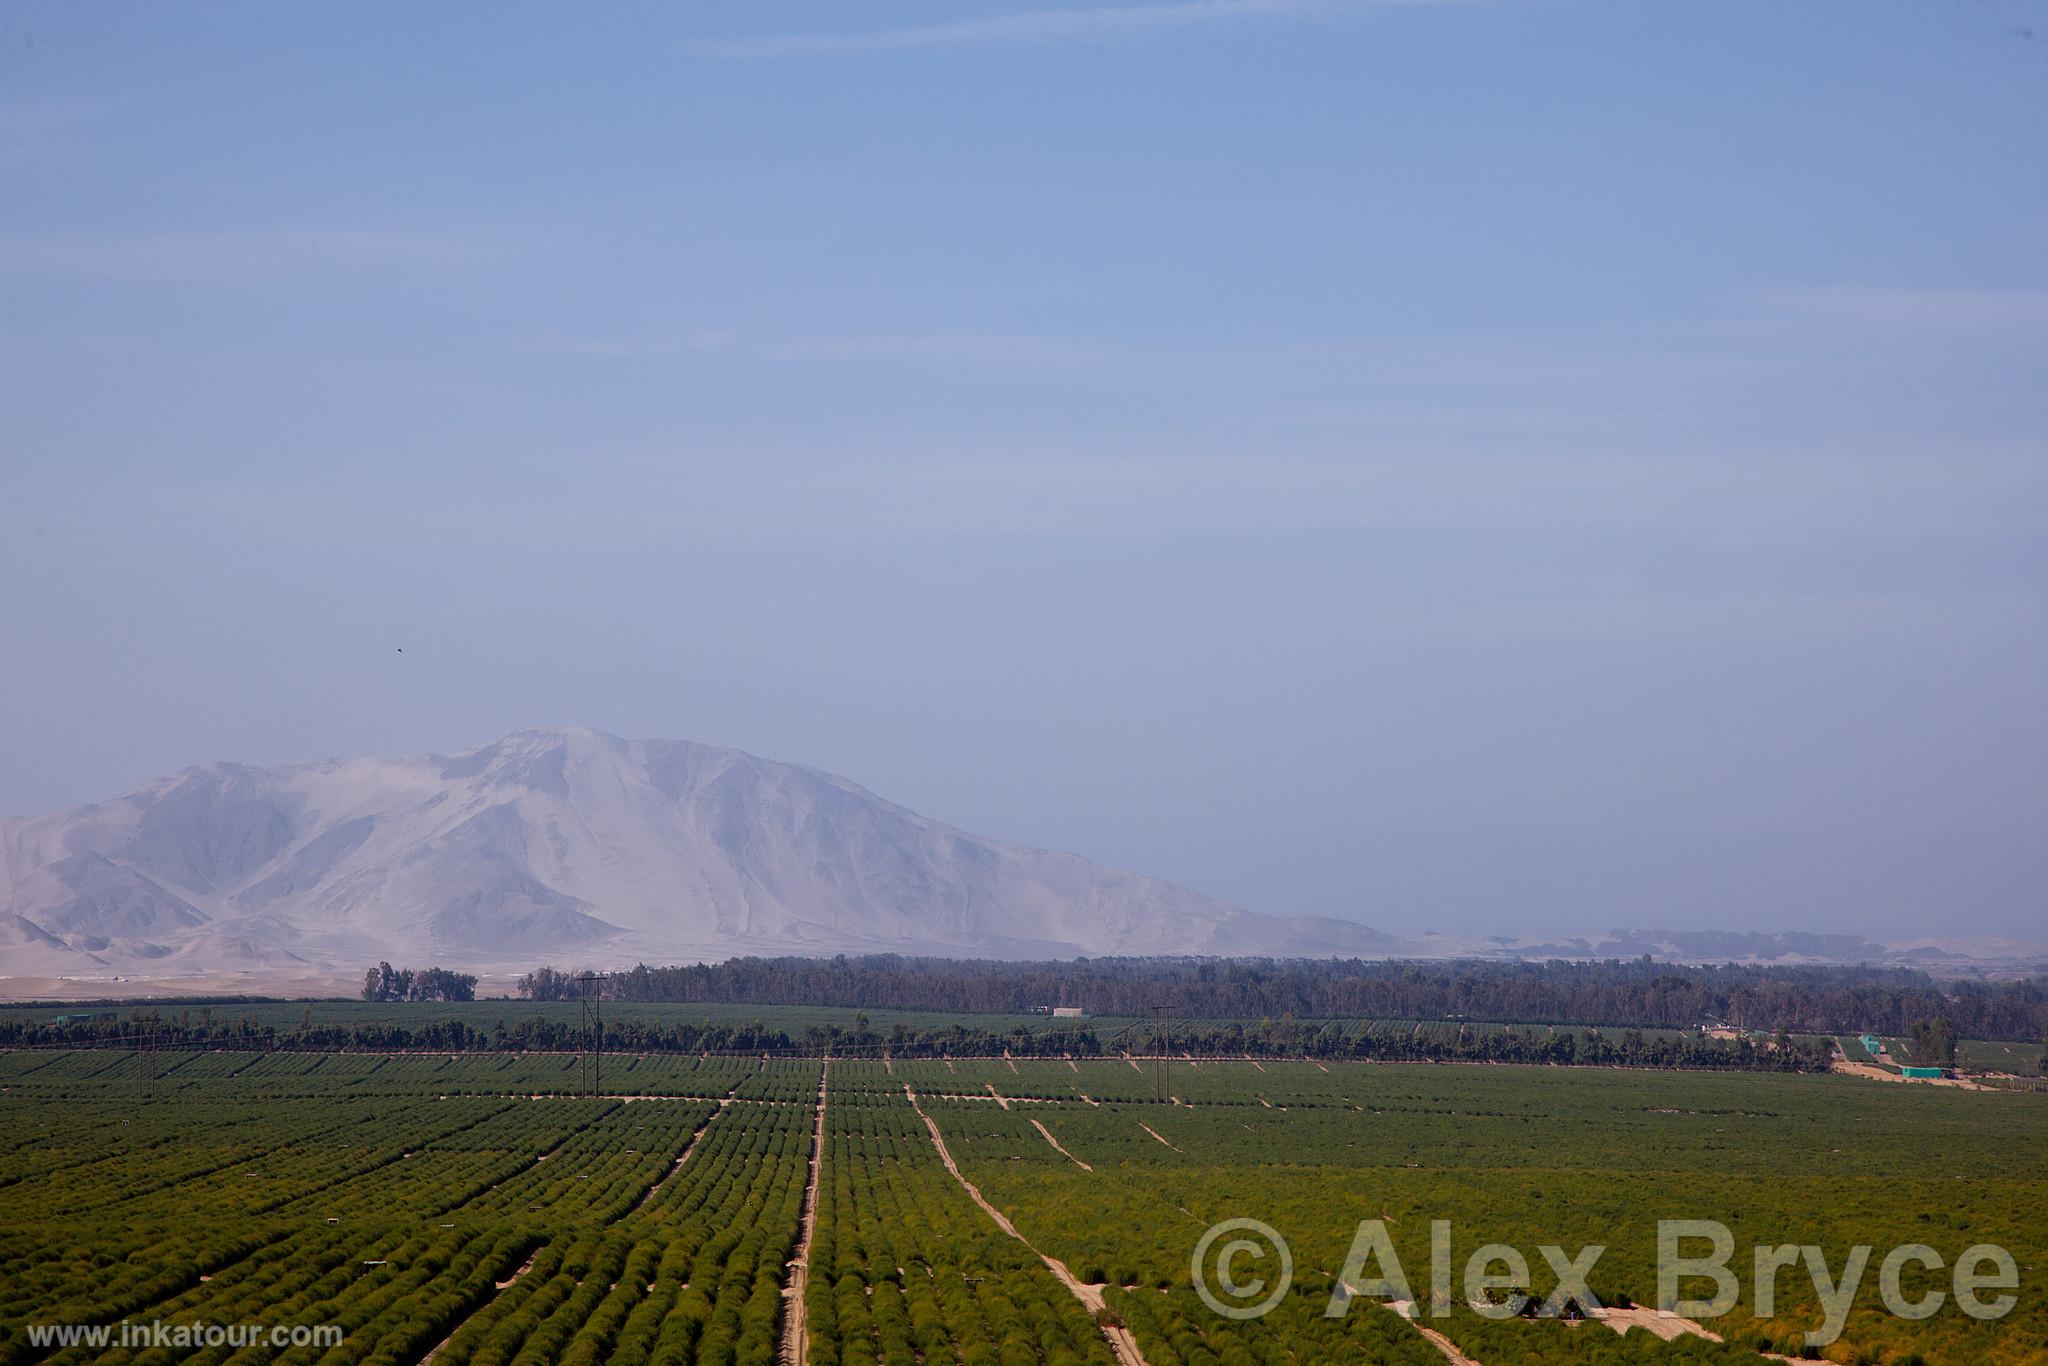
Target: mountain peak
536,738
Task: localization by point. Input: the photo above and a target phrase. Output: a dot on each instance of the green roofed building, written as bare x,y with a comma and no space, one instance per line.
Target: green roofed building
1872,1044
1920,1071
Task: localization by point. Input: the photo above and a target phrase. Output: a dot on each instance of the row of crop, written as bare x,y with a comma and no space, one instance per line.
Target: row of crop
388,1290
494,1186
905,1268
45,1138
1552,1342
430,1176
117,1179
1137,1235
600,1172
694,1275
781,1079
1131,1237
120,1075
1779,1160
175,1226
1175,1328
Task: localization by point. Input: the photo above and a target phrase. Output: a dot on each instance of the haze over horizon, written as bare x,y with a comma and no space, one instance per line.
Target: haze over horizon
1505,466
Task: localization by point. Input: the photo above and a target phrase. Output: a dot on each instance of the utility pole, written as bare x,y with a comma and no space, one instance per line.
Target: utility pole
1163,1019
145,1061
591,993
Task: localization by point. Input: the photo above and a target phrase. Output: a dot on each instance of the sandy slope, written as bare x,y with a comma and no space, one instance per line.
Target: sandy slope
560,845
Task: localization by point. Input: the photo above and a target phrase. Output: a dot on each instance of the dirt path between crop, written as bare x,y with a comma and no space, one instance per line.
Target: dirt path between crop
1434,1338
503,1286
681,1158
1118,1336
1156,1134
796,1325
1058,1149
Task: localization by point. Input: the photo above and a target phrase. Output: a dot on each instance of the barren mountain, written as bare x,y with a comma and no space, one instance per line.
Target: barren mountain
564,845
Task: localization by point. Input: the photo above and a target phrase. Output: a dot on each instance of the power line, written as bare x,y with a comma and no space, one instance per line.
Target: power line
1163,1015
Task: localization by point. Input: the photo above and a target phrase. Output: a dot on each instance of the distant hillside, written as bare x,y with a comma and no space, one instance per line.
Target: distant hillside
566,844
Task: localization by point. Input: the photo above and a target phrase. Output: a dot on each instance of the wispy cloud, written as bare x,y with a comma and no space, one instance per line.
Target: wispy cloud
1034,26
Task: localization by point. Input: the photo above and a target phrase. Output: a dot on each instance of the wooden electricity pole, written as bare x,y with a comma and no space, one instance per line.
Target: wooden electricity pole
1163,1018
591,993
145,1061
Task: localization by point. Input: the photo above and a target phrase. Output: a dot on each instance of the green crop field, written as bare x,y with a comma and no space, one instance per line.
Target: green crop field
483,1015
2018,1059
472,1208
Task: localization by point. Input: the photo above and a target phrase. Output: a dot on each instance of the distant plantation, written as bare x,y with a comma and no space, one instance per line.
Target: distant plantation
1636,993
685,1030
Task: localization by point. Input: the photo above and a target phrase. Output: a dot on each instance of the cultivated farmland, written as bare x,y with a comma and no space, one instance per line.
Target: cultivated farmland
476,1209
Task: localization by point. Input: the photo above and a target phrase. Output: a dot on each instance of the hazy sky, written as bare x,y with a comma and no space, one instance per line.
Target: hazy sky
1487,465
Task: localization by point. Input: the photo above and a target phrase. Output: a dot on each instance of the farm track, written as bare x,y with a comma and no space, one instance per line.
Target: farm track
681,1158
483,1304
1120,1339
796,1335
1058,1149
1430,1335
1161,1137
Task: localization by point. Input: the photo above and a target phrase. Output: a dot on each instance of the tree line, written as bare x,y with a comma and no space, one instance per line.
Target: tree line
1635,993
385,983
630,1034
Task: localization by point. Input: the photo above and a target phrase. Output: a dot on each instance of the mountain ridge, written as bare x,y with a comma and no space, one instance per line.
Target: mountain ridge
566,840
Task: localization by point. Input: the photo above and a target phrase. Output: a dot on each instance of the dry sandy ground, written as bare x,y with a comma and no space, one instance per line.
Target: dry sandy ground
1874,1073
126,987
315,984
1667,1326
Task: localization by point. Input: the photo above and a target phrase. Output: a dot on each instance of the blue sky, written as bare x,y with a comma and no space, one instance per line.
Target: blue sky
1490,465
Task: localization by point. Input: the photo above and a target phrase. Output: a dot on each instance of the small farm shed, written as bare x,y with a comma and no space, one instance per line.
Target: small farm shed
1919,1071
